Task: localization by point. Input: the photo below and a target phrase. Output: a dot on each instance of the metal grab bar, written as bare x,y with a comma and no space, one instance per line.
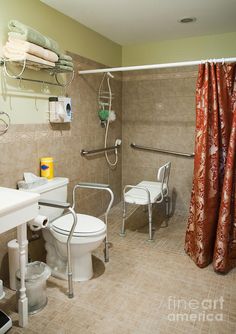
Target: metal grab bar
98,186
65,206
84,152
188,155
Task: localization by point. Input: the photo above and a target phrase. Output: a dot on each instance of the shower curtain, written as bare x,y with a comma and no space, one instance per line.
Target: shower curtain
211,229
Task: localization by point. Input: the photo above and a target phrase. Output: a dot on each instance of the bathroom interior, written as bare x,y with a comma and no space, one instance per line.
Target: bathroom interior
145,278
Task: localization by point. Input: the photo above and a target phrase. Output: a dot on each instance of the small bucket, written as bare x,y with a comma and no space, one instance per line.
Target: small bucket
36,276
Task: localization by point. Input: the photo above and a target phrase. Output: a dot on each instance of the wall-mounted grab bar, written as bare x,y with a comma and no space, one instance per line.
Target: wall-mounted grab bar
187,155
84,152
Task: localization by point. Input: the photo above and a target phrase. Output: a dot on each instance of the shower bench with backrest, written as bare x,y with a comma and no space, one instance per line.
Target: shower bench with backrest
148,193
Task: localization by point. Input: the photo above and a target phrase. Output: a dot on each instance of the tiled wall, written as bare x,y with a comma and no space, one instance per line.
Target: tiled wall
159,111
23,145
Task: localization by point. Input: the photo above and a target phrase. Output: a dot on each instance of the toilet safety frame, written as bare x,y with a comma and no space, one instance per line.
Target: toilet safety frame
148,193
71,210
98,186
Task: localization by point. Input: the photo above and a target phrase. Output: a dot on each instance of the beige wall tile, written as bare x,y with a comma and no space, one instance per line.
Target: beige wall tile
163,117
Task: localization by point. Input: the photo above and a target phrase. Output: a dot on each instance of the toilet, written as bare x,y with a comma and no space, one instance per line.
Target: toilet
88,235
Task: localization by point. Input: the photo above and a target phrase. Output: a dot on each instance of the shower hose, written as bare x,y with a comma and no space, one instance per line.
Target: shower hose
110,163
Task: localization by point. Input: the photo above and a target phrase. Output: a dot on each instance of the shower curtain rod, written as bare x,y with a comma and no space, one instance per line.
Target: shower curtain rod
153,66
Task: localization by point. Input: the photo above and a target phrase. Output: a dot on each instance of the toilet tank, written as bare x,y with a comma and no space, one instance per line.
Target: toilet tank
56,190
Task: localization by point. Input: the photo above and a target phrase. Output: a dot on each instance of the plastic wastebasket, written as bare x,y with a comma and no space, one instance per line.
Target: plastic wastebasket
36,276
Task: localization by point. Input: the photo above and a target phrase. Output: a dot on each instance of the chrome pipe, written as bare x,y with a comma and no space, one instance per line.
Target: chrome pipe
98,186
54,204
100,150
159,150
70,282
156,66
66,206
38,81
87,185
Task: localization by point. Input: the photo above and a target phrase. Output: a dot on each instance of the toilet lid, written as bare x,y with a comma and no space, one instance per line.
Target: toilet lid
86,225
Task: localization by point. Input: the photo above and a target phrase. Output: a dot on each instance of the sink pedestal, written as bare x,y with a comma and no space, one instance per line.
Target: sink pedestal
16,209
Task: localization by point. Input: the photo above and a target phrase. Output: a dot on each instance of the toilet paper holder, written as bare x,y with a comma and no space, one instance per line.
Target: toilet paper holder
38,223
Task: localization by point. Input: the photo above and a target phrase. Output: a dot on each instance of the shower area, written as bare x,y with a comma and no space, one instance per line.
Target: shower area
156,120
154,108
151,108
159,112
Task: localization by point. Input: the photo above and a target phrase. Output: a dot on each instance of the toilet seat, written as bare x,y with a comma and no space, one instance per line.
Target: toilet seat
86,225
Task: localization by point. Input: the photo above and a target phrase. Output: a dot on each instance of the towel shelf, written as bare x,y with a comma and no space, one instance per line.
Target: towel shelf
159,150
36,66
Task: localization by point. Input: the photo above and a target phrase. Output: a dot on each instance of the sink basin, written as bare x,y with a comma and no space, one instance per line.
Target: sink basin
16,207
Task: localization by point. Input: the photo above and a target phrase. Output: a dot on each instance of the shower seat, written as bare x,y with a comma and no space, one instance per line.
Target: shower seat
148,193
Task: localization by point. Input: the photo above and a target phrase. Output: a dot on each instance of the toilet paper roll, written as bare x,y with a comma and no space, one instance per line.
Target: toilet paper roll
38,223
14,263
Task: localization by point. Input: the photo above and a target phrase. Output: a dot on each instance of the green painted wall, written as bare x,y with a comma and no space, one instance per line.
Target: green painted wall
204,47
70,35
29,103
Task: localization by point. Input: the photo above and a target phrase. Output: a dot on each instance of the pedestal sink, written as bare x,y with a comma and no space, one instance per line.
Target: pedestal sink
16,209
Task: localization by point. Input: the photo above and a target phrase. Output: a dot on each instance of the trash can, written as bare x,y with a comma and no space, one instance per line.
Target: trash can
36,276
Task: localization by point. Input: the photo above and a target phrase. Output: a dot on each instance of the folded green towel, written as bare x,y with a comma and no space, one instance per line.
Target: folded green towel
65,57
65,62
63,68
22,31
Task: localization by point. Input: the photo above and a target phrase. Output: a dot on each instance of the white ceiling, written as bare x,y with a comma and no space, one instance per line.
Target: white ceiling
138,21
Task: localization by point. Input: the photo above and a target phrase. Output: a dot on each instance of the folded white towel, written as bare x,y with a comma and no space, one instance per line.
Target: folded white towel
31,48
15,55
29,34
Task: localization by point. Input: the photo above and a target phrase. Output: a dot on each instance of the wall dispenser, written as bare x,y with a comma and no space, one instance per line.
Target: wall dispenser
60,109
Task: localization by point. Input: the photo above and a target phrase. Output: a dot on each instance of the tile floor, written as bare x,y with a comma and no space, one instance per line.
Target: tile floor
146,288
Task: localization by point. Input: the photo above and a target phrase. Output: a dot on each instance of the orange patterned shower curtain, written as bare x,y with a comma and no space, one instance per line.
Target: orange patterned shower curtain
211,230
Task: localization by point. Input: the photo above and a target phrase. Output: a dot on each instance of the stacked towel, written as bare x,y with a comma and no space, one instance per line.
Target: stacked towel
15,54
32,49
63,56
64,64
21,31
26,43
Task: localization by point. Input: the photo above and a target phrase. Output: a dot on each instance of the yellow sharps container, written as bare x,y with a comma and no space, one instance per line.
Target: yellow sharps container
46,167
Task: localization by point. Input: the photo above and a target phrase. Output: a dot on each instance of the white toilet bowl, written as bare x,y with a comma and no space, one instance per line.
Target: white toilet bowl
88,235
